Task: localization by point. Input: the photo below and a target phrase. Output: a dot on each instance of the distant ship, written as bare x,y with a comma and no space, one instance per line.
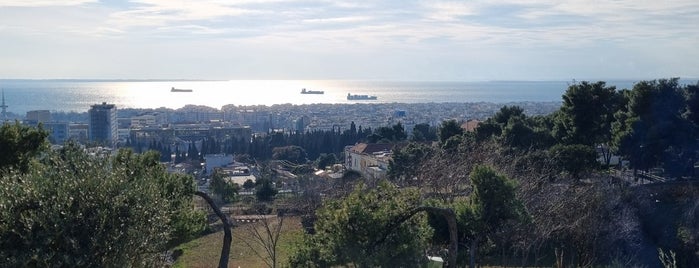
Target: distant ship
304,91
180,90
360,97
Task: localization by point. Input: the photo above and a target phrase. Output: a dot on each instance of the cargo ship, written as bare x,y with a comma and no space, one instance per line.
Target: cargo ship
360,97
304,91
173,89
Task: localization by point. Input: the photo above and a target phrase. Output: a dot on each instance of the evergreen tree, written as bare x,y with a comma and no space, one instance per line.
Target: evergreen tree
19,145
265,190
352,231
75,210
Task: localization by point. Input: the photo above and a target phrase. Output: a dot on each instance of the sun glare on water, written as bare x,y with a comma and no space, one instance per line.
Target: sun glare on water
219,93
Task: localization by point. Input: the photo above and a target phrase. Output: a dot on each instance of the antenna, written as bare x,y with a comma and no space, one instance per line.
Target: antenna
4,107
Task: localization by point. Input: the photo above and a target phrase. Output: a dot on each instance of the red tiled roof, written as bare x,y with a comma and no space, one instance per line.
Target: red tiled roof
370,148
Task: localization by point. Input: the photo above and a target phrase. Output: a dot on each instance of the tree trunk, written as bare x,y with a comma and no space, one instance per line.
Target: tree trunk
559,257
227,236
472,252
453,236
450,216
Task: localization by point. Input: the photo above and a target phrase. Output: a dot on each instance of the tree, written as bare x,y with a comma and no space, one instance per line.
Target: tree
399,132
506,113
265,190
387,134
517,133
192,152
226,190
574,159
492,203
587,113
487,130
291,153
448,129
423,132
248,184
264,232
691,95
653,131
325,160
20,144
353,230
76,210
512,128
406,162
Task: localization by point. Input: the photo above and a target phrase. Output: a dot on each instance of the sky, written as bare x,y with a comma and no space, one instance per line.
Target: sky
405,40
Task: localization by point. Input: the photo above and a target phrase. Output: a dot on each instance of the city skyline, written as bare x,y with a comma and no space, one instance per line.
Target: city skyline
384,40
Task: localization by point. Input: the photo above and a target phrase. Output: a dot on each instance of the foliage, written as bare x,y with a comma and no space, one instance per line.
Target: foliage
486,130
291,153
512,128
19,145
265,191
492,204
652,131
248,184
691,95
393,133
325,160
448,129
423,132
574,159
493,199
76,210
258,147
226,190
587,113
406,161
517,133
353,230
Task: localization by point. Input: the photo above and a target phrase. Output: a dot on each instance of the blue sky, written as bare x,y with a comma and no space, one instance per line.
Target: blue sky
385,40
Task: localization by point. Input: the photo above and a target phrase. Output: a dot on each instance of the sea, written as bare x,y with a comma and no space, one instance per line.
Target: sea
77,95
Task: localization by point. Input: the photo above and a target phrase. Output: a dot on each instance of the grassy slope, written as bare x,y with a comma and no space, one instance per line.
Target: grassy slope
204,251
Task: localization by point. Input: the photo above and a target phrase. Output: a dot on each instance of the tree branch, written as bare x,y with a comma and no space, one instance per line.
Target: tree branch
227,237
448,215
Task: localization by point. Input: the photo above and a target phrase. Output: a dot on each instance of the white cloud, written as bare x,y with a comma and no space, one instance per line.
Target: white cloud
43,3
162,12
335,20
192,28
448,11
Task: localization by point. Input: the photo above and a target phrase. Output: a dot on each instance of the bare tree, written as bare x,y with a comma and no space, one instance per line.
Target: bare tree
264,233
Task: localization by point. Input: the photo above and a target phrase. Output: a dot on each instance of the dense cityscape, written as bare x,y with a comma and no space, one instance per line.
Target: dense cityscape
358,134
121,123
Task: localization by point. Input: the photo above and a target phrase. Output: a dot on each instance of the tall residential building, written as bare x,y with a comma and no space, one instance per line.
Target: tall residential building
38,116
103,124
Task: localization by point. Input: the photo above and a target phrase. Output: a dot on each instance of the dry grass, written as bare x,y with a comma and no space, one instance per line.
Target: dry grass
204,251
